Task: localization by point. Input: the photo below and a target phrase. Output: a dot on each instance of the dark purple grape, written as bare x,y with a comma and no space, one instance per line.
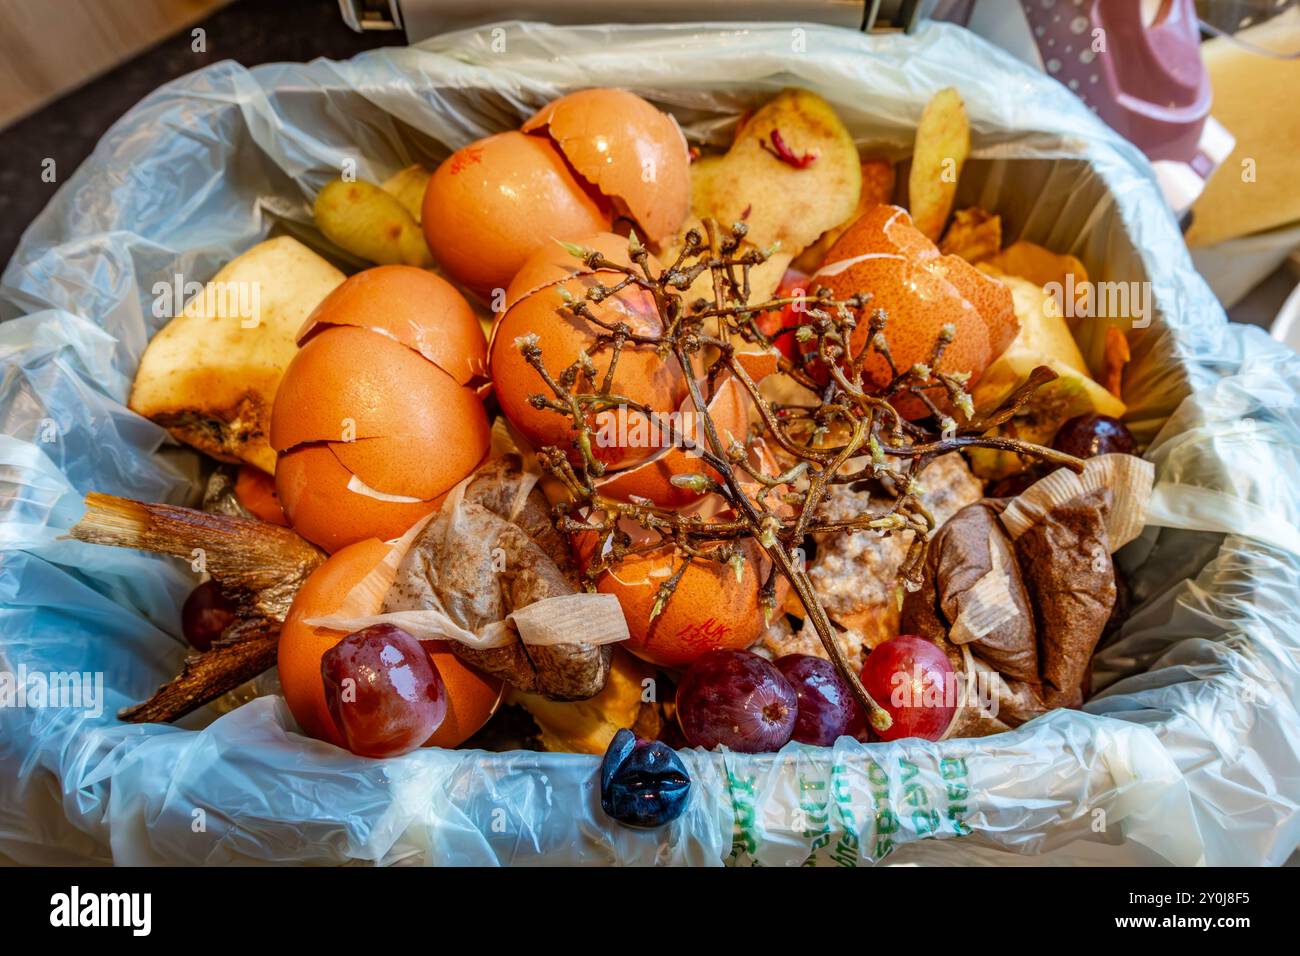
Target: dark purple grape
827,710
384,693
1087,435
642,782
736,700
205,614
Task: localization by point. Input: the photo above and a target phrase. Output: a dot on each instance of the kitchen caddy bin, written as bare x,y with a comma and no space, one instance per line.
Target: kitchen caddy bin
1188,752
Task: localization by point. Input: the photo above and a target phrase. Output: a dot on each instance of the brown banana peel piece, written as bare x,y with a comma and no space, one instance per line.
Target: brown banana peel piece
257,565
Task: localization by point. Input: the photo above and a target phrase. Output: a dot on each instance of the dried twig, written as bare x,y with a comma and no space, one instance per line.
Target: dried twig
703,339
246,649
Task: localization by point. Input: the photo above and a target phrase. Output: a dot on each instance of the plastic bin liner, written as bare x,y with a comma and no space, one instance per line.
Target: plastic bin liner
1189,752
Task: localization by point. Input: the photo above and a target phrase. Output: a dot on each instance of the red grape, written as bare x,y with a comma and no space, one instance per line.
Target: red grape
383,691
205,614
737,700
912,680
827,710
1088,435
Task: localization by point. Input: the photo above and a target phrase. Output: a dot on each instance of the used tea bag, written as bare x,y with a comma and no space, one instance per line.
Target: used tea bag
1022,588
489,575
1067,566
973,593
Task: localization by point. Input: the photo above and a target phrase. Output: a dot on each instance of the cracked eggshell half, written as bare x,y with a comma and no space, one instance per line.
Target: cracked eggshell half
421,310
539,309
330,506
921,291
711,609
371,433
493,203
652,479
472,697
632,153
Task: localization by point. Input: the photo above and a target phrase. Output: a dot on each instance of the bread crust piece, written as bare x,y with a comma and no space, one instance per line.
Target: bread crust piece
479,567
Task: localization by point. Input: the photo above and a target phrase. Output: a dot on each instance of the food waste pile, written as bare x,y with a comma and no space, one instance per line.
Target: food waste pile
618,445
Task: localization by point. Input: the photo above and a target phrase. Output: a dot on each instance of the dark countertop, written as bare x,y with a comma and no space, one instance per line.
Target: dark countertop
248,31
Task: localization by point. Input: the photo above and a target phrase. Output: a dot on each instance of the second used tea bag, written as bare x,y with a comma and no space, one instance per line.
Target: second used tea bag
1018,591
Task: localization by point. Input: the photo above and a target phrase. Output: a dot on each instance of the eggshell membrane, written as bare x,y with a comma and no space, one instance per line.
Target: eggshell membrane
386,389
495,202
642,376
421,310
472,697
652,479
396,466
611,137
875,255
313,487
710,610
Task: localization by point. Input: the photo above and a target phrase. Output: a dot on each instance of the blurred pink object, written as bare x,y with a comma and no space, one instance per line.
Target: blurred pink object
1144,79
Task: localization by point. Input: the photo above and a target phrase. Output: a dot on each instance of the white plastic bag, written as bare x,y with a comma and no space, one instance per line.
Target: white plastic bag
1189,753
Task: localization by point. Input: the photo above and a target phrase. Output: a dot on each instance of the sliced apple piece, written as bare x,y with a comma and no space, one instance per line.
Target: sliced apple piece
369,222
210,375
1043,339
407,186
877,187
791,174
942,145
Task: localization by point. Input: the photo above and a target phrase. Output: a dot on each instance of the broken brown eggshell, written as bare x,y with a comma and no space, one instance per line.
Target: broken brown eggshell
632,153
375,419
